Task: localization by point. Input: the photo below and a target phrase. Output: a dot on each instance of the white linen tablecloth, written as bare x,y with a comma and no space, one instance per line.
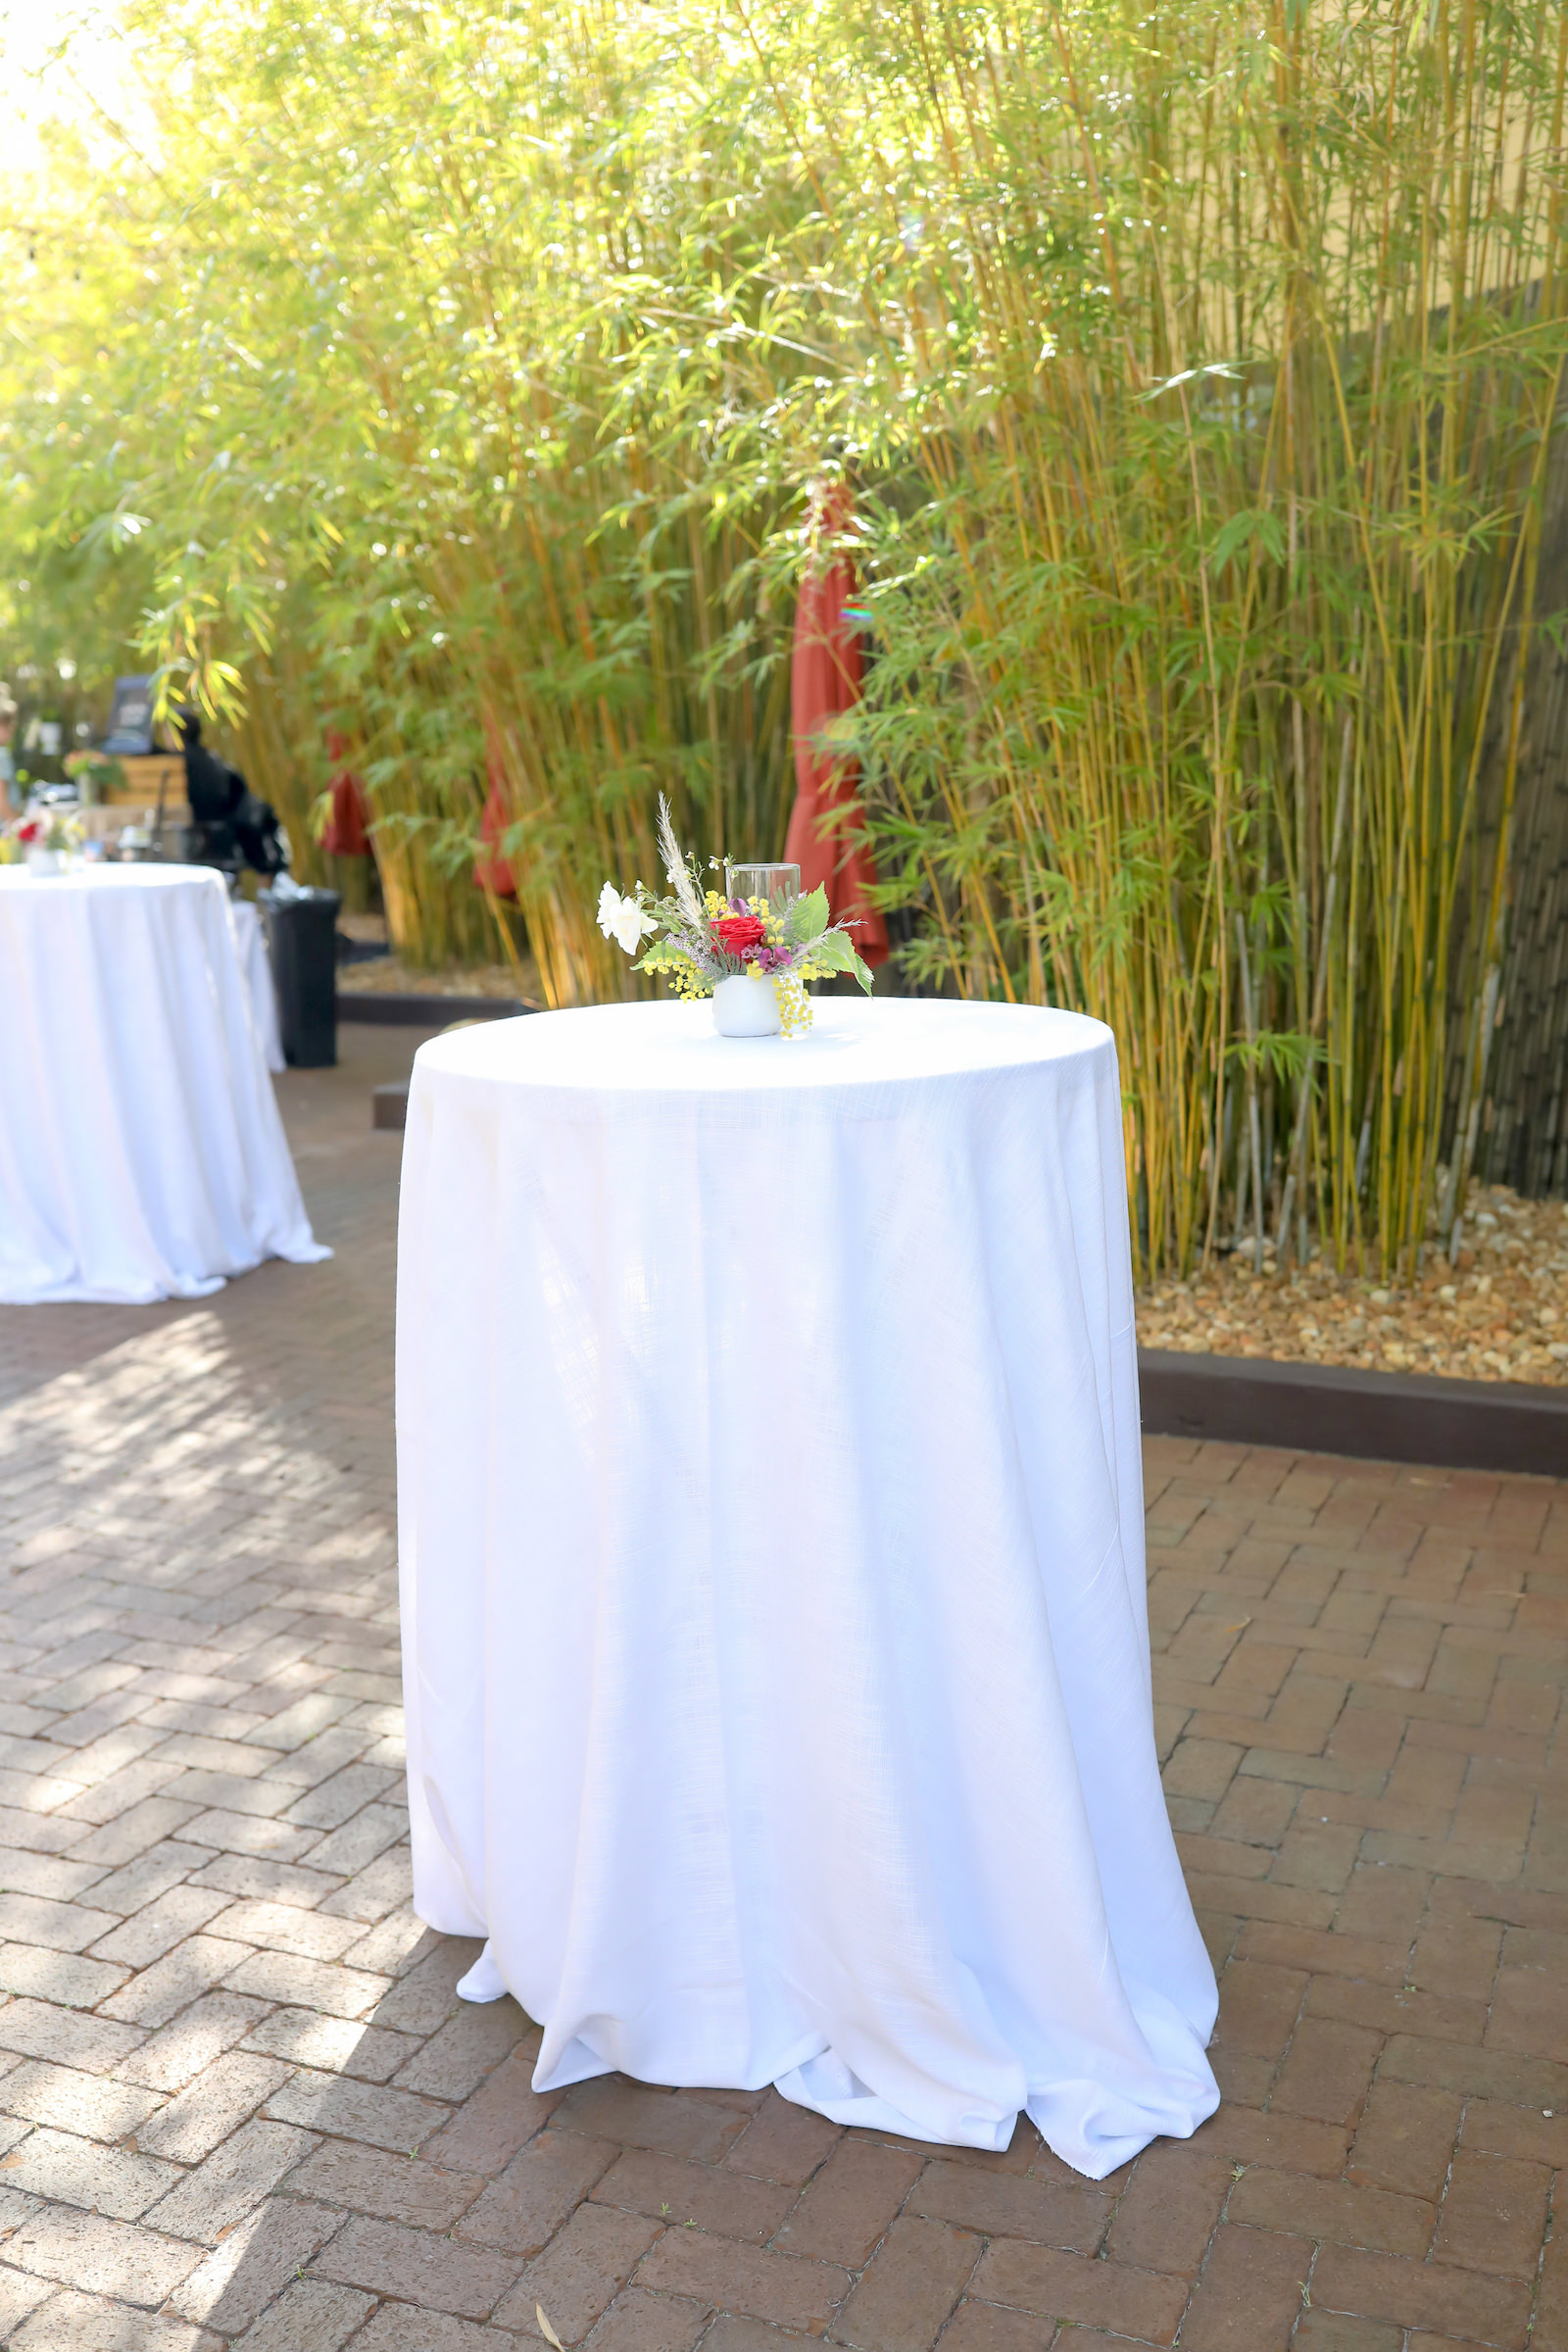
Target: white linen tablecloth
142,1151
776,1649
250,939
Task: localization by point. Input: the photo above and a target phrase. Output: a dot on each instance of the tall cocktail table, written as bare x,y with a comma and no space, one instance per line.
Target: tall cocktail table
142,1151
776,1642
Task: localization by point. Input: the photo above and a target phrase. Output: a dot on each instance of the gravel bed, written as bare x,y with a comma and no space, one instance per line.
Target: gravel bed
1501,1312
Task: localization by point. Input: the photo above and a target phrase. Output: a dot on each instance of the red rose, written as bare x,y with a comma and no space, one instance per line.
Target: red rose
738,934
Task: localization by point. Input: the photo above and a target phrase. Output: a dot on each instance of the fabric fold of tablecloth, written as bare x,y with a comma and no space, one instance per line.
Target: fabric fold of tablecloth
776,1644
250,942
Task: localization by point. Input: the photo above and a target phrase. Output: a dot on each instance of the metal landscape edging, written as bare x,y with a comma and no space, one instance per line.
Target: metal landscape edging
1334,1408
391,1009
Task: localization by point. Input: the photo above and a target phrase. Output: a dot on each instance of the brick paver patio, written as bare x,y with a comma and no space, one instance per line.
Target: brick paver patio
239,2101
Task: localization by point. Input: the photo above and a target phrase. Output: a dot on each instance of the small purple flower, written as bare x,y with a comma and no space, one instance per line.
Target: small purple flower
771,960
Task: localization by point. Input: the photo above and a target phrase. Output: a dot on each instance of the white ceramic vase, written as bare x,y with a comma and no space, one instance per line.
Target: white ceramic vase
745,1007
44,862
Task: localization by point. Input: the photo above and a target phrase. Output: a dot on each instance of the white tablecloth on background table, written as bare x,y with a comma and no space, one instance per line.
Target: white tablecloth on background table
142,1151
257,966
776,1647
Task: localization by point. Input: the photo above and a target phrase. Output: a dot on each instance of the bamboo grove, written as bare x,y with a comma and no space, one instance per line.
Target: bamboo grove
468,381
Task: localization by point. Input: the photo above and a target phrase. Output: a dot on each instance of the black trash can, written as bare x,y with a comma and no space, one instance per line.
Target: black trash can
301,939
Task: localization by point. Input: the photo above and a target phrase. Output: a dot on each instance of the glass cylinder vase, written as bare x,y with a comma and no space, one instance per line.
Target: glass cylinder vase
775,885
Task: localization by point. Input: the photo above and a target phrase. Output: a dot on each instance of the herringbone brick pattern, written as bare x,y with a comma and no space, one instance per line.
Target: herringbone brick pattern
239,2102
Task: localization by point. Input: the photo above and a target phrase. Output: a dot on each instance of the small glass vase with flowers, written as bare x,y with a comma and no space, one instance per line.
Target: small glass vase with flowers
750,948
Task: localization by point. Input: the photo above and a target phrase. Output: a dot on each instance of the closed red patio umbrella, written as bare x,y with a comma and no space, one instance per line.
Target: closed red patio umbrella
491,870
825,674
346,831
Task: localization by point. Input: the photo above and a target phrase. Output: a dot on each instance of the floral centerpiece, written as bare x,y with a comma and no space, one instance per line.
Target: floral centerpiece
43,836
752,956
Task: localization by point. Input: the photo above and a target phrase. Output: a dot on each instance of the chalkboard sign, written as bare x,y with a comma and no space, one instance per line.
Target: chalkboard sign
130,717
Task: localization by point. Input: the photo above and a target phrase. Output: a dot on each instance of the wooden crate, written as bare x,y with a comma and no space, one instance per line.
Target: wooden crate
147,774
135,802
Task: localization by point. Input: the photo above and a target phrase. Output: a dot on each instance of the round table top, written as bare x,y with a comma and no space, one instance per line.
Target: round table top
107,875
673,1049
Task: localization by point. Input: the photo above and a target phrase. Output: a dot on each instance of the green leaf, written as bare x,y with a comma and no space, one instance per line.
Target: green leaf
1251,526
662,956
833,952
808,916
